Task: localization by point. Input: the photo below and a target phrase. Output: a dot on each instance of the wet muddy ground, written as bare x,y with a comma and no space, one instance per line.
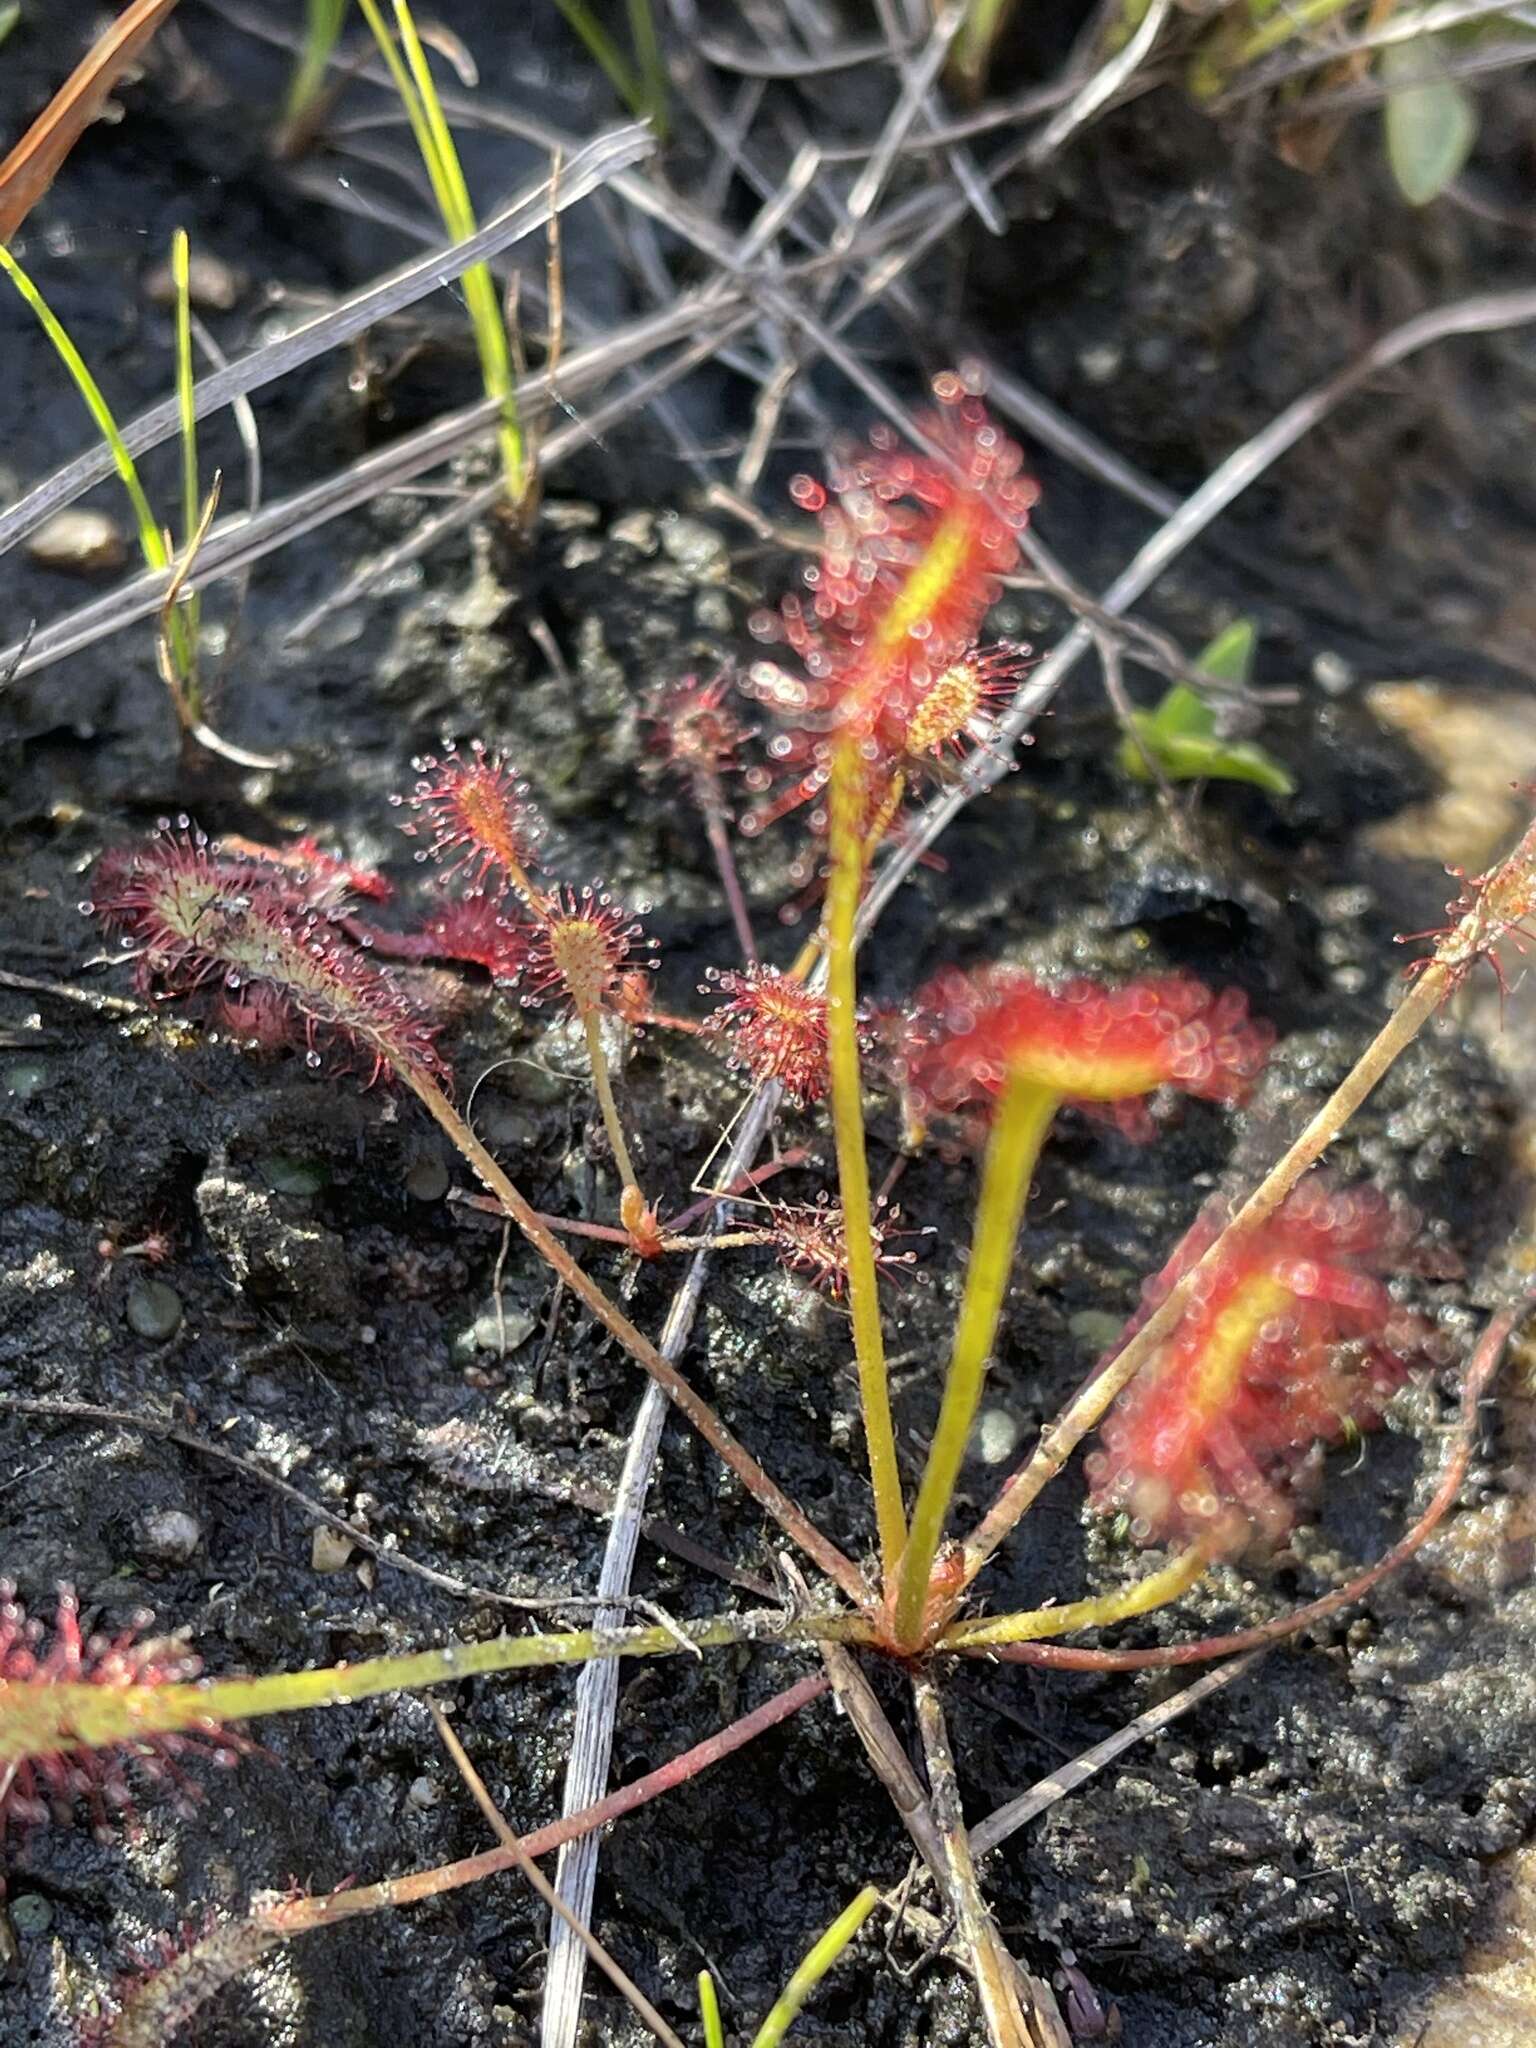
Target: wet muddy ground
1301,1861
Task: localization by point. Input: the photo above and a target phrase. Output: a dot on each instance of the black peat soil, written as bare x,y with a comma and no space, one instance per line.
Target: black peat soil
1296,1863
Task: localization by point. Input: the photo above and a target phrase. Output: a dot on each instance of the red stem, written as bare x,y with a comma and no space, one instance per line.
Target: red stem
707,791
672,1228
420,1884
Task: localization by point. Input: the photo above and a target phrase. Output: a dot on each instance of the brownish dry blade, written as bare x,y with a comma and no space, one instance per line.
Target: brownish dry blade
34,163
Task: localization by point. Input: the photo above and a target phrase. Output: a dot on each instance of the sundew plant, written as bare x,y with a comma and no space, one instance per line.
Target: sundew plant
1270,1334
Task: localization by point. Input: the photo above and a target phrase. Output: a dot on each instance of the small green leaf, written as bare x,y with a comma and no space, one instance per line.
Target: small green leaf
1181,735
10,14
1229,658
1431,120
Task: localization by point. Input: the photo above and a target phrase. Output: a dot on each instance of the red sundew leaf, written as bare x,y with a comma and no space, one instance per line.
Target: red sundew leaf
1104,1049
191,921
1289,1341
812,1239
693,728
912,553
771,1027
39,1784
585,946
476,813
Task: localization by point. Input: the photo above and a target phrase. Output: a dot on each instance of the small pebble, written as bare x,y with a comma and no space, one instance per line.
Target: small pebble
31,1913
513,1327
1332,673
636,530
694,547
153,1310
1101,362
998,1434
24,1080
79,542
1096,1327
423,1794
213,285
285,1176
427,1180
330,1549
168,1536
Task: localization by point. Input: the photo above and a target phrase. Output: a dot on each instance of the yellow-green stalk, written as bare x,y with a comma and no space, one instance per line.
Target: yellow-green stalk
1098,1611
42,1719
820,1959
847,846
709,2012
1024,1116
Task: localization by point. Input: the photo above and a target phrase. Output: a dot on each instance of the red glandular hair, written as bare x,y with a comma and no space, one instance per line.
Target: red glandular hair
1102,1049
693,728
51,1785
588,948
195,920
911,554
771,1027
1290,1340
476,815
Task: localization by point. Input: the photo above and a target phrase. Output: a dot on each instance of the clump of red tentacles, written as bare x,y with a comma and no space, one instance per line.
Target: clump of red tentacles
265,936
50,1784
1100,1049
1288,1341
885,638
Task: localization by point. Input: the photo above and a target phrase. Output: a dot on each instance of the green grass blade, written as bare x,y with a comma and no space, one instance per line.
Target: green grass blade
185,621
605,53
480,293
322,29
181,280
816,1965
151,539
709,2012
458,213
413,82
648,62
410,99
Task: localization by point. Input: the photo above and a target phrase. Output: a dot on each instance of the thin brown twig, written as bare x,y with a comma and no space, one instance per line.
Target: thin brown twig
376,1547
628,1989
998,1979
31,167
